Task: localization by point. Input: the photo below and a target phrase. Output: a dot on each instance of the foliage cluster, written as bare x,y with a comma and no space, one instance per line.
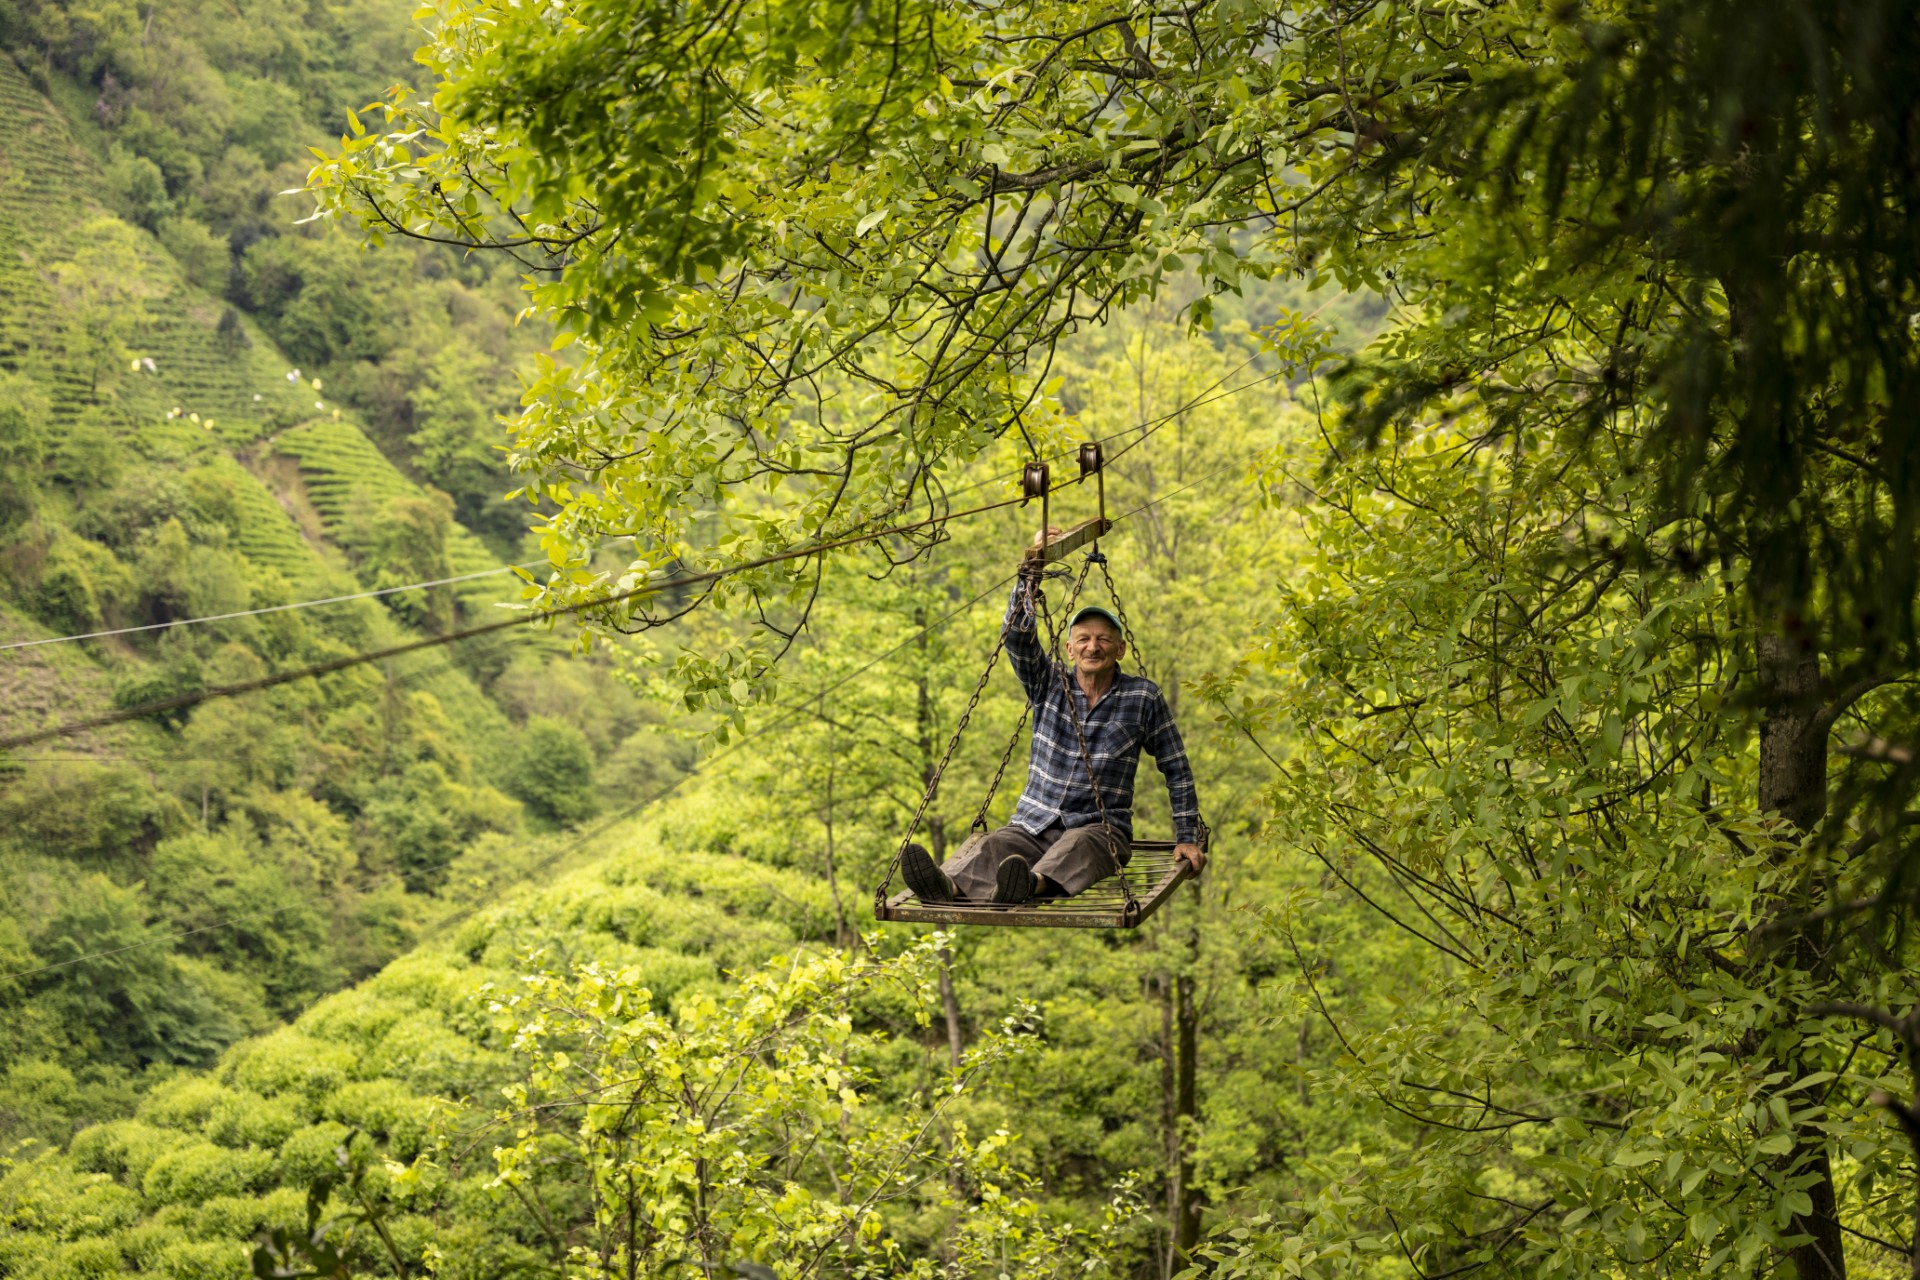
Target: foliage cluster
633,1119
1599,678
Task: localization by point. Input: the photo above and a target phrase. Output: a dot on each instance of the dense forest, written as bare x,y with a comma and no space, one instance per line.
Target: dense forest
507,510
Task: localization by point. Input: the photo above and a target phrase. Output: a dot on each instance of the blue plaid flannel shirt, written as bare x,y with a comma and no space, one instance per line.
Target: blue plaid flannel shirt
1131,715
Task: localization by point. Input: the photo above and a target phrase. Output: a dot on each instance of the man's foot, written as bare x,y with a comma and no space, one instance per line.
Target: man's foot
1014,882
928,882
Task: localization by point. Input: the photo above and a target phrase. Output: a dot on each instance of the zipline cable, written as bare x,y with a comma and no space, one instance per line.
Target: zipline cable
791,710
184,700
599,829
272,608
1148,427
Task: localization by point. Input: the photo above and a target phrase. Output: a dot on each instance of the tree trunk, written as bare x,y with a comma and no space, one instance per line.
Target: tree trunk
1300,1060
1793,783
1169,1120
1186,1223
1909,1118
936,839
950,1006
840,927
1793,754
1180,1097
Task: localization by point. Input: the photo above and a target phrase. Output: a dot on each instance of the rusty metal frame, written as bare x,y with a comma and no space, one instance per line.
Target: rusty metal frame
1101,907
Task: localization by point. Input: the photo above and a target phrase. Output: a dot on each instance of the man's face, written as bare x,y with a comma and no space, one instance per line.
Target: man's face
1094,647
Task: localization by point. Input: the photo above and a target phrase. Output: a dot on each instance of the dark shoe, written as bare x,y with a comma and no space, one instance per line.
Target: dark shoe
928,882
1013,883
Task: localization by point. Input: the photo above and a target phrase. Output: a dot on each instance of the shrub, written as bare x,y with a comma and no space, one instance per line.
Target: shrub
385,1109
287,1062
203,257
249,1120
429,1057
144,1245
312,1152
82,584
23,447
50,1195
124,1148
231,334
553,772
87,456
185,1102
239,1217
36,1099
359,1016
199,1171
137,186
204,1260
78,1260
110,811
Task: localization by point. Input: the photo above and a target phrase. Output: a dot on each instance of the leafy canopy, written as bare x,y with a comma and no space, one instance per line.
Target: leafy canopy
831,248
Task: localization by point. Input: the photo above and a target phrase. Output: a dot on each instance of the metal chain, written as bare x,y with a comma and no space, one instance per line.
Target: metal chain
1026,710
1086,757
1126,627
1039,601
939,771
1000,771
1126,631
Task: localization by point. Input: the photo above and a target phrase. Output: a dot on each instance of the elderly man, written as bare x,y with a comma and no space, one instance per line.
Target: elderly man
1057,845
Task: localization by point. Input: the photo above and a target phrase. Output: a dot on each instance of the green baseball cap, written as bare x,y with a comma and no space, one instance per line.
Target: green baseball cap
1096,611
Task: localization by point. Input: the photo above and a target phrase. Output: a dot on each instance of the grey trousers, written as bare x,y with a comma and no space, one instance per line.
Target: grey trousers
1071,860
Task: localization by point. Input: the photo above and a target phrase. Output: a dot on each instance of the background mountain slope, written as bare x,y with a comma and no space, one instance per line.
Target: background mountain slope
165,459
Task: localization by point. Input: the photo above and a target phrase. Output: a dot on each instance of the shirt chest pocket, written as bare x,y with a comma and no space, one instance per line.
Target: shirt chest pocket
1122,735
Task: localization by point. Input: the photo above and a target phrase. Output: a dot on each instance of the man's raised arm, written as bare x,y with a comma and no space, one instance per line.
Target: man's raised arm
1022,632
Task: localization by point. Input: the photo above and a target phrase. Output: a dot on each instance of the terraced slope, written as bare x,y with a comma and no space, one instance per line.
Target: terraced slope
342,470
40,169
267,534
199,399
51,191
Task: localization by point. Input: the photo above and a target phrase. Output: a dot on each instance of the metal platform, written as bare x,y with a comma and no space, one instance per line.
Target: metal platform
1153,872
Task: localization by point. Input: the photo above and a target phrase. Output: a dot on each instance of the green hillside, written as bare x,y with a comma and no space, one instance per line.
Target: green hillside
420,1077
164,461
192,392
413,1060
51,192
344,476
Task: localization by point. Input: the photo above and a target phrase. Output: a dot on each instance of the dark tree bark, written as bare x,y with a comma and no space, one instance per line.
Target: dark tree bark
1186,1222
1793,783
949,1002
1793,750
1180,1098
1162,987
936,839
